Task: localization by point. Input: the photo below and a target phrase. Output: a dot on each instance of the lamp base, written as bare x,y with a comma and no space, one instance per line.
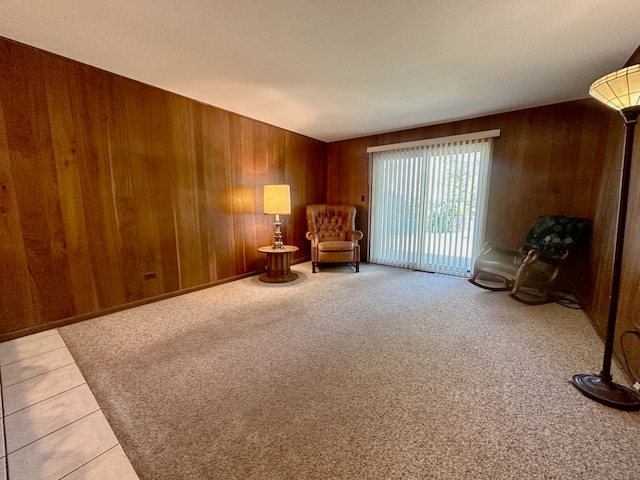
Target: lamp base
606,392
277,238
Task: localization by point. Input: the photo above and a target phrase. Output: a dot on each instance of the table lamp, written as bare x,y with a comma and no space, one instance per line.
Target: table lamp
277,201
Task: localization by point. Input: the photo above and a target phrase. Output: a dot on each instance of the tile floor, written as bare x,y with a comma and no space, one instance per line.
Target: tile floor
52,427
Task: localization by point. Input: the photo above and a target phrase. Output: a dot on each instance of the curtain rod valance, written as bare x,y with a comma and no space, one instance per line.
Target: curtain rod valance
436,141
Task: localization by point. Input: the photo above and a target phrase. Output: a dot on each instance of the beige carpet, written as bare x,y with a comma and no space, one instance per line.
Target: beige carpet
384,374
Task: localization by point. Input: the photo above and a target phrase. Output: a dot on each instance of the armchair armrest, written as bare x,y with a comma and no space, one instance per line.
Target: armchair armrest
313,236
354,236
530,259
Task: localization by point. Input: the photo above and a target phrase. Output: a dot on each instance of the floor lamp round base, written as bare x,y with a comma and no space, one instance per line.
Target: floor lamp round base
606,392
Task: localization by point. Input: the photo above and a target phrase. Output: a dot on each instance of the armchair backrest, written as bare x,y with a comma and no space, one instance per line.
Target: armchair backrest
554,235
331,222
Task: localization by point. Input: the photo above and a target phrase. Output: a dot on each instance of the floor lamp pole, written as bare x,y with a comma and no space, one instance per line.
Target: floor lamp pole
601,388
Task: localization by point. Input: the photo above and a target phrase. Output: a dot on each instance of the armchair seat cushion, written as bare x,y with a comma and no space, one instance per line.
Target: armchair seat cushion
336,246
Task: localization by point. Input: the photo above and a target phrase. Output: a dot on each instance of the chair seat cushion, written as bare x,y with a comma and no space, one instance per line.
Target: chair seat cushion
335,246
499,262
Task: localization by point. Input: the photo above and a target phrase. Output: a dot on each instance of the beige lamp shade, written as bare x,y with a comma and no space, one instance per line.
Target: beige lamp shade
620,89
277,200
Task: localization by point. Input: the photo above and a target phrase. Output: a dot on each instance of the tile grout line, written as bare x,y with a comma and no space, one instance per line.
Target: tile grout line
48,398
41,374
57,430
4,432
88,462
2,365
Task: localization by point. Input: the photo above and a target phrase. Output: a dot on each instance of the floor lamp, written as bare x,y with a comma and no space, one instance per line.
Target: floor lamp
619,90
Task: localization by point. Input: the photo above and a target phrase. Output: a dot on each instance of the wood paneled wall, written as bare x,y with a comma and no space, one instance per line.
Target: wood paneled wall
546,160
113,192
563,158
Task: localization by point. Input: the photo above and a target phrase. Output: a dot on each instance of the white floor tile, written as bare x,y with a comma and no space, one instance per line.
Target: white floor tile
34,390
63,451
112,465
54,427
25,347
29,424
33,366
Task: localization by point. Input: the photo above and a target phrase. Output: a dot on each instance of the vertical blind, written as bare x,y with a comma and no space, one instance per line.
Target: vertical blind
428,205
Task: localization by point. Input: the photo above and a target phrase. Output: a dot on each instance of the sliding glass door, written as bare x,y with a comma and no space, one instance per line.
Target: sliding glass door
428,205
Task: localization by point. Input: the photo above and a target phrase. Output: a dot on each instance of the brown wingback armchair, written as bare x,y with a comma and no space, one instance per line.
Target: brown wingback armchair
333,235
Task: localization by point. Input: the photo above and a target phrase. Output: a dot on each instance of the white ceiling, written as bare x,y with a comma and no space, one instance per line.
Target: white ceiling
338,69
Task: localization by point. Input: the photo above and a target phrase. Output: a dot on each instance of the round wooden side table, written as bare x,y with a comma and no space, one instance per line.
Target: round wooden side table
278,264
